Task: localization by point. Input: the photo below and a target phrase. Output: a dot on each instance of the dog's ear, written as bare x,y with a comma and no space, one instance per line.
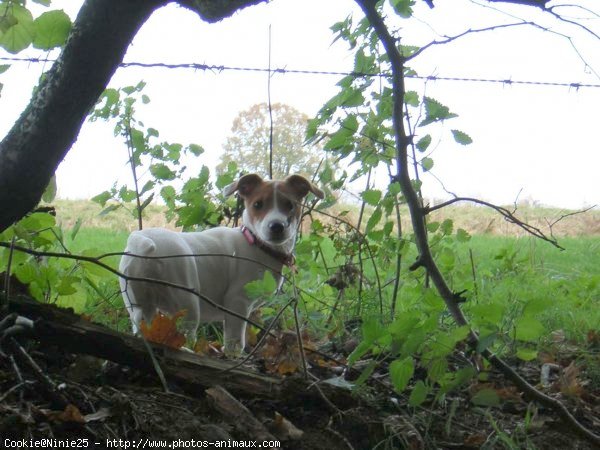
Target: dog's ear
302,186
245,185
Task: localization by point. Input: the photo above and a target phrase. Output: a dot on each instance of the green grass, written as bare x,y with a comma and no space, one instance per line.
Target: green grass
518,271
508,270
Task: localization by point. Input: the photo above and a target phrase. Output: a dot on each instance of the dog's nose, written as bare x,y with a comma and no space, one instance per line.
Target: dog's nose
276,227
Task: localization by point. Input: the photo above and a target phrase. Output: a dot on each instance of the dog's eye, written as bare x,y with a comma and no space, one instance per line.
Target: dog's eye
289,205
258,204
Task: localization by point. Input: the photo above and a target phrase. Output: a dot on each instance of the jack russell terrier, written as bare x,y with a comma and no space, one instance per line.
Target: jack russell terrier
222,260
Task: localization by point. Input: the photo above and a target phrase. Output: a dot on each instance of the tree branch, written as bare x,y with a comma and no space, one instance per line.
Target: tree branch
508,215
46,130
418,220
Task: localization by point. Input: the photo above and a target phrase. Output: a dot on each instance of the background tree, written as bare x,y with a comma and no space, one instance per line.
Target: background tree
248,144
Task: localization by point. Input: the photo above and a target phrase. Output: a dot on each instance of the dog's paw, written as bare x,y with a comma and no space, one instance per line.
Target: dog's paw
233,349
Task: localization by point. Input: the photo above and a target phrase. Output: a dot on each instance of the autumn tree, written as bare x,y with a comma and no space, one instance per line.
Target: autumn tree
249,143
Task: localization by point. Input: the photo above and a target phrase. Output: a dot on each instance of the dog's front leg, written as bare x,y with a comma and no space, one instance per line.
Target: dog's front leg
234,329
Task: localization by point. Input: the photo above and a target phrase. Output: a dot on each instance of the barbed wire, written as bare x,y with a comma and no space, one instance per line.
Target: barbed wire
223,68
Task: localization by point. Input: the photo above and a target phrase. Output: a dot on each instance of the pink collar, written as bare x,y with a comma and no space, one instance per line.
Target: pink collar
284,258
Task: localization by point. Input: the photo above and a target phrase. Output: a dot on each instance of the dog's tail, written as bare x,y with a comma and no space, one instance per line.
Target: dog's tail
138,244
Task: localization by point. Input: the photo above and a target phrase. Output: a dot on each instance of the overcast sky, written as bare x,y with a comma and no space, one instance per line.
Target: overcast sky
538,140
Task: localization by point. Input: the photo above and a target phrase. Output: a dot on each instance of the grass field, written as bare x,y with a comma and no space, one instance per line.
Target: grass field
509,268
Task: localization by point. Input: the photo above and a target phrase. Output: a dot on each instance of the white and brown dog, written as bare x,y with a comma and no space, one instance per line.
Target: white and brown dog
222,260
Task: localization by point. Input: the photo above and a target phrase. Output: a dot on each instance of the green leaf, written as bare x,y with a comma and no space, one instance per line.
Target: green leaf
4,67
261,288
16,23
418,394
195,149
76,228
401,371
435,112
50,192
423,143
137,139
371,196
358,352
411,98
529,329
462,235
51,29
162,172
363,63
462,138
372,330
147,202
447,226
403,7
486,397
102,198
427,164
109,209
437,368
43,2
66,286
373,220
526,354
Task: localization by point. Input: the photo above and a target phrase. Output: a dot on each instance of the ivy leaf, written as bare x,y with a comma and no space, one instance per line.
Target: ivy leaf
371,196
401,371
51,29
4,67
461,138
435,112
43,2
16,23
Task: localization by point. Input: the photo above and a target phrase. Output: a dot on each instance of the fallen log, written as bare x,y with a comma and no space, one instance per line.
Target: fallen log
194,373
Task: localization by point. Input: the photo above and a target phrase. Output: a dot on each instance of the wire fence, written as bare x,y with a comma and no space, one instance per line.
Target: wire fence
222,68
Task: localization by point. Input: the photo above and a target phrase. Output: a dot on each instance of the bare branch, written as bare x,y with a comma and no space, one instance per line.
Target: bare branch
508,215
449,39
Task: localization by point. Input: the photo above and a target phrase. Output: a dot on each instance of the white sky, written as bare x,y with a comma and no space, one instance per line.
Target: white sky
543,140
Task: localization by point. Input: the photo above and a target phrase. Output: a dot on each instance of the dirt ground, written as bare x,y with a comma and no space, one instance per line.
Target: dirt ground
113,406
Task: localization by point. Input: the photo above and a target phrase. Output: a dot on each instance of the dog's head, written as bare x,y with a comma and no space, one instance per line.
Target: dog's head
272,208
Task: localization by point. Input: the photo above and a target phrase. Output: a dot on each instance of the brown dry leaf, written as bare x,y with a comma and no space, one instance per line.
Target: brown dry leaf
287,366
251,335
593,338
163,330
70,414
202,346
284,429
281,354
475,440
568,383
509,393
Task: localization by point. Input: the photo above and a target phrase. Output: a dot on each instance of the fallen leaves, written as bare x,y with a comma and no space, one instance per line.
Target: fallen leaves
163,330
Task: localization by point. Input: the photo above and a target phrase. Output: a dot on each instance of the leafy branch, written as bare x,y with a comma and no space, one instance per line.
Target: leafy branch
425,258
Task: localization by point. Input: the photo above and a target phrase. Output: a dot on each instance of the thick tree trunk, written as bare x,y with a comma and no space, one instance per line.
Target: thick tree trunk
42,136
